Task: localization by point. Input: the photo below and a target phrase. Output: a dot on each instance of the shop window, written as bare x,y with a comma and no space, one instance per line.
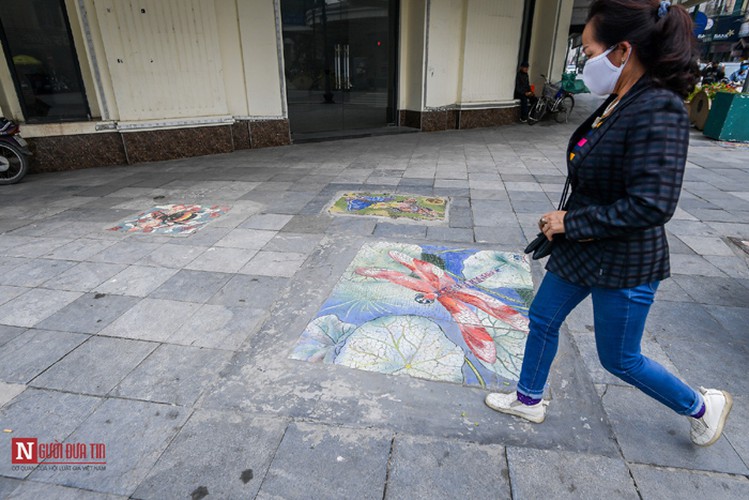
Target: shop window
39,48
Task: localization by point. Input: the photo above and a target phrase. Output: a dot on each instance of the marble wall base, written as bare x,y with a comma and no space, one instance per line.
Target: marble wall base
266,134
71,152
159,145
433,121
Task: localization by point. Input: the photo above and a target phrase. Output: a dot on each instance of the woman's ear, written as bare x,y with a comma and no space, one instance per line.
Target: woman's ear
626,51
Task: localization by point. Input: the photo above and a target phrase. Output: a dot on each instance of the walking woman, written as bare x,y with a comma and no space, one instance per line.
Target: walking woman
626,165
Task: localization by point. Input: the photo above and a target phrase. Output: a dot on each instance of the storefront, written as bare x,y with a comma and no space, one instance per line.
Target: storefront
102,82
720,37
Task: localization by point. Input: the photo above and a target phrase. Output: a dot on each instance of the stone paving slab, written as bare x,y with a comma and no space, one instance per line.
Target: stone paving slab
702,364
706,245
136,281
46,415
171,255
219,327
252,239
32,352
267,221
655,483
173,374
80,249
685,321
436,469
714,291
735,267
205,237
221,259
84,277
92,369
135,433
561,475
586,345
8,293
191,286
7,485
125,252
89,313
8,333
9,391
181,472
33,272
276,264
31,490
37,247
738,432
294,243
658,436
315,461
34,306
151,319
257,292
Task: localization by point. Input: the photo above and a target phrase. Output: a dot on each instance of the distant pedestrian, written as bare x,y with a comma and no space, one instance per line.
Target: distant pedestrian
712,73
739,75
523,90
626,165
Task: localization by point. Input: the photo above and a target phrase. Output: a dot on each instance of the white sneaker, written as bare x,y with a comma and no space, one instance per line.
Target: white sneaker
707,430
508,403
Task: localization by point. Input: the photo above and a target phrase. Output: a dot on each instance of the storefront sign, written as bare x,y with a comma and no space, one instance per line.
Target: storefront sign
727,28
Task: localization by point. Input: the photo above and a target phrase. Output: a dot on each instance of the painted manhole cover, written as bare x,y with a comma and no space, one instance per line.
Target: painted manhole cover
405,207
448,314
171,219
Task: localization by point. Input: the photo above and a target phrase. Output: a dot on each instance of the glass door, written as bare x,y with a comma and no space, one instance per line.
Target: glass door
339,58
39,47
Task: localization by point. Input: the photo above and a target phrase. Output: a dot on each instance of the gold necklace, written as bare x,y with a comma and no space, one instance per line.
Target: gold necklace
606,112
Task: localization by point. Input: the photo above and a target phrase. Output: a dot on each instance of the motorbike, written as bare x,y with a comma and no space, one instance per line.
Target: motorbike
14,153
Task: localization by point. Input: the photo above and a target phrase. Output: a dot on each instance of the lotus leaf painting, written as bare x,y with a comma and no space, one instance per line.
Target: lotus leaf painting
171,219
397,206
447,314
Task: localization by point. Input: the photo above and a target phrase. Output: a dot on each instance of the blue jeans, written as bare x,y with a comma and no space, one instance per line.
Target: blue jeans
619,317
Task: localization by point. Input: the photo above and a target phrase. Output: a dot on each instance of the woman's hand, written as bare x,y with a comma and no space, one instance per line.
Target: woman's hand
552,223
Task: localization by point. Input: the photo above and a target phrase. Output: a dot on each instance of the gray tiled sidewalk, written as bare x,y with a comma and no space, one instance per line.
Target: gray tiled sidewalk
173,350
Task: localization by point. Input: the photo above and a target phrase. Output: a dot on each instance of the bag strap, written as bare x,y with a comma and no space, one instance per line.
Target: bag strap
565,192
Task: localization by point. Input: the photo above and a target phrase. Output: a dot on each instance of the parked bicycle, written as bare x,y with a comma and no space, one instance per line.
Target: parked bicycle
554,99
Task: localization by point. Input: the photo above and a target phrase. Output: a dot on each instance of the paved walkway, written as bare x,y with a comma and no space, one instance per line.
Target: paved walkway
173,352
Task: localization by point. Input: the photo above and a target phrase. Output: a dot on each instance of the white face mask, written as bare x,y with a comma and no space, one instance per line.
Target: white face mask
600,75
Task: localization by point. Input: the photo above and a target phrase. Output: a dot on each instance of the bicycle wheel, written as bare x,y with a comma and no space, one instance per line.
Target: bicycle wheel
537,111
13,164
564,108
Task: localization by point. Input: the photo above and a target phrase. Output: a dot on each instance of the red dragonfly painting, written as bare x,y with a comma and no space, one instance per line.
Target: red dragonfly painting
433,283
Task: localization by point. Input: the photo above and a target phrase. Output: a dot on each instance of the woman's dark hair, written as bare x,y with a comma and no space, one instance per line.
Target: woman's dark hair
664,42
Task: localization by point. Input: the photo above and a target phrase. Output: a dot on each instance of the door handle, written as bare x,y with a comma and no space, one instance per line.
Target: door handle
338,75
347,71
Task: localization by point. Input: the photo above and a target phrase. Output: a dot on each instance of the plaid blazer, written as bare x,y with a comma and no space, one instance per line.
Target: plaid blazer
626,178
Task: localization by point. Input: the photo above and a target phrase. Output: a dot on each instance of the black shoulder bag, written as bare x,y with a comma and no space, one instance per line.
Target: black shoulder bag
542,246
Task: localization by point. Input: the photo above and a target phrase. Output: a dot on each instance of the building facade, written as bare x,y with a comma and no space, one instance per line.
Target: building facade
107,82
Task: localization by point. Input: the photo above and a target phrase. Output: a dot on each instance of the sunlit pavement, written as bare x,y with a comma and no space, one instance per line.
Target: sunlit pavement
167,357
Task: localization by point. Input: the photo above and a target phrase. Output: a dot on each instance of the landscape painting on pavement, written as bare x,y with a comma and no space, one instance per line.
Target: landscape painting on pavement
171,219
396,206
448,314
